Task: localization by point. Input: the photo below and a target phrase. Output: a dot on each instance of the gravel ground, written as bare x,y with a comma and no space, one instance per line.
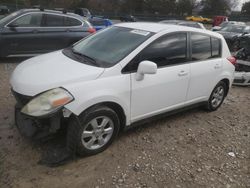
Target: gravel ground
190,149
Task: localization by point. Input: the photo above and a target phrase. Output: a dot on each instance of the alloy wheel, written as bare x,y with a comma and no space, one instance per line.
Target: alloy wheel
97,133
217,96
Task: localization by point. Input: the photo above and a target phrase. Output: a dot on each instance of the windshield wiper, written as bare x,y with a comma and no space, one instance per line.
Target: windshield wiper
90,59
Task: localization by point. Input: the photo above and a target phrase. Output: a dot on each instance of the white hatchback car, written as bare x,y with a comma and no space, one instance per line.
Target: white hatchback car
118,77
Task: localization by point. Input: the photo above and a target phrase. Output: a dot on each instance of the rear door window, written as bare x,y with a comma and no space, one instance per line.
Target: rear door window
201,47
29,20
52,20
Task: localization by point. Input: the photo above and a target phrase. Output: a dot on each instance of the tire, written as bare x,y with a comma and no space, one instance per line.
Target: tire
86,136
217,97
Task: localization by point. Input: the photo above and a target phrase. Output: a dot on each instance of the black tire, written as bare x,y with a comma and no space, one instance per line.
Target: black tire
77,125
212,107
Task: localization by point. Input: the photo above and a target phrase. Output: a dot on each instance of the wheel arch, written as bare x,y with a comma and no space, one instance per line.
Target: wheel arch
116,107
227,82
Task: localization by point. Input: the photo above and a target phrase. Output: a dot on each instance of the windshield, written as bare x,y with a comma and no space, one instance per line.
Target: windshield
111,45
9,17
234,28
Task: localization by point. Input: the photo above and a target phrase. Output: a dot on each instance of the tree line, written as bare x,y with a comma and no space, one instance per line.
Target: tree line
166,7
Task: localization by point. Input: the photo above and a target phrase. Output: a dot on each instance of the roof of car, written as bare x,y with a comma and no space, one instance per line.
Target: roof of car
177,21
159,27
48,11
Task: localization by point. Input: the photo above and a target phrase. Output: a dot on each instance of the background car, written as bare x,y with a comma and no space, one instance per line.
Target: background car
184,23
100,23
219,19
242,74
127,18
224,24
83,12
199,19
4,10
33,31
232,32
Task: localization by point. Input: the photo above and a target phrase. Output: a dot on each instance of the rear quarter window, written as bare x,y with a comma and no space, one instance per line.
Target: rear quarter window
201,47
72,22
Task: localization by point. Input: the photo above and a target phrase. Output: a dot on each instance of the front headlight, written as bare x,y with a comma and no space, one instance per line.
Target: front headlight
47,102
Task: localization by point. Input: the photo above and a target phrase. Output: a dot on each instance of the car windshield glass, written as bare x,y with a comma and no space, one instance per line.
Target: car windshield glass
111,45
234,28
8,18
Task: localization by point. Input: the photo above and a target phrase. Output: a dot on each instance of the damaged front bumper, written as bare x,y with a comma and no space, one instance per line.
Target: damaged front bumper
36,127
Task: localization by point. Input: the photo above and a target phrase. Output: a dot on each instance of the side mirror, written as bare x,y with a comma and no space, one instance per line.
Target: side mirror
12,26
145,67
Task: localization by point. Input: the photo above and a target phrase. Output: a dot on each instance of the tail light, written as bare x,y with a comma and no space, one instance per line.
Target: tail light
91,30
232,60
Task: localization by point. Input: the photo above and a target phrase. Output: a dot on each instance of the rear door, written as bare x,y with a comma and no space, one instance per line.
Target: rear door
54,32
206,65
60,31
77,29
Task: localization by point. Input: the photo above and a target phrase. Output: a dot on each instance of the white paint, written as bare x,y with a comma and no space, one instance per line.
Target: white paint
169,88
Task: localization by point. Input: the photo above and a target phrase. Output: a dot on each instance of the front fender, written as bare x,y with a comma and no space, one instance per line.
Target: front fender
114,89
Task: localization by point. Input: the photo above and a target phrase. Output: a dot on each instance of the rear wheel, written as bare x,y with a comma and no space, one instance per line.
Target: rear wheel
93,131
217,97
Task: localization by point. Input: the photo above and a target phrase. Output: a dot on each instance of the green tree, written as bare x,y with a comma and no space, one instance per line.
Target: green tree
185,6
246,8
218,7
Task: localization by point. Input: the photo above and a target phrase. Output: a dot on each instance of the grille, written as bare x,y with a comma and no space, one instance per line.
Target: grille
21,99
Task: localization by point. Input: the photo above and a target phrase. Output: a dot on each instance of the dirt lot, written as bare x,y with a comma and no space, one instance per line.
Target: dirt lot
190,149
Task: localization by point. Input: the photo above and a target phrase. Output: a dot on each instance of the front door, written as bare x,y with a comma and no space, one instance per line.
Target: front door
22,35
166,89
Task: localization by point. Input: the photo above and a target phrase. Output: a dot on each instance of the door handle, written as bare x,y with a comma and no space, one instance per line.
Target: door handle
183,73
35,31
217,66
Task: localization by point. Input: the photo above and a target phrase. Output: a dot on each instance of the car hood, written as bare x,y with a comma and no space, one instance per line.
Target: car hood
49,71
229,35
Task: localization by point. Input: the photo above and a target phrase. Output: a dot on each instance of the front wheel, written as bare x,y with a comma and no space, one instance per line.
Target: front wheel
217,97
93,131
